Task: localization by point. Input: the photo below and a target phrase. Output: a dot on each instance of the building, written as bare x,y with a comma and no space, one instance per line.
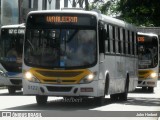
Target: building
15,11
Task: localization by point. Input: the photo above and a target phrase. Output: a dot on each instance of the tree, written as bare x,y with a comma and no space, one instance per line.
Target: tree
81,3
102,5
138,12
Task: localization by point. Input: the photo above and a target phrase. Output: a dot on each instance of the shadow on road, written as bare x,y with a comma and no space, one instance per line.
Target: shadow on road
86,104
143,101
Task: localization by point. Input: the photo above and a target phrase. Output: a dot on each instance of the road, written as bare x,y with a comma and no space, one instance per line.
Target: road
138,101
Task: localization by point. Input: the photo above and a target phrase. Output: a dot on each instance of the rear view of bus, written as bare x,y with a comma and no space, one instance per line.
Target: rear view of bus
11,47
148,60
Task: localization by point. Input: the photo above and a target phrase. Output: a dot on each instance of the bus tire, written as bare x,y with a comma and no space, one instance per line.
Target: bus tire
123,96
114,97
151,89
99,100
11,89
144,88
41,99
107,85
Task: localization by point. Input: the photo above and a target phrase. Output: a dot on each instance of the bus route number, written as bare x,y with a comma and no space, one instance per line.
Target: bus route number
30,87
140,39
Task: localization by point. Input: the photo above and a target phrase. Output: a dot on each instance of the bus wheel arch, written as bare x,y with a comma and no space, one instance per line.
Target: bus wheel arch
11,89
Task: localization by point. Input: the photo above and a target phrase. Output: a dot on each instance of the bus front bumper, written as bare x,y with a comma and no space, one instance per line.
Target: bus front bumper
93,89
11,81
147,83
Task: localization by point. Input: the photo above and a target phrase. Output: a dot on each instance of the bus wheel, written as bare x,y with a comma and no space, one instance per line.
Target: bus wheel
151,89
144,88
99,100
123,96
114,97
11,89
41,100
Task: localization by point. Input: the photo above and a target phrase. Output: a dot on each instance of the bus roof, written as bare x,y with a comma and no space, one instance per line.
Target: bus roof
148,34
99,16
14,26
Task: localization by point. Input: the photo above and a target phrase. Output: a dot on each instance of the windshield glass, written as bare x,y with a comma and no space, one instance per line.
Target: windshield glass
148,52
64,48
11,47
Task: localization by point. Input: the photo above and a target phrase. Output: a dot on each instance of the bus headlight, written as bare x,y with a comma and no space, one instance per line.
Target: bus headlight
153,75
89,78
29,76
2,73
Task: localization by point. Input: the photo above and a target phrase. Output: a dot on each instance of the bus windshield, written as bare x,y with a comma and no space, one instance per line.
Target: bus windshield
148,52
60,40
11,49
60,47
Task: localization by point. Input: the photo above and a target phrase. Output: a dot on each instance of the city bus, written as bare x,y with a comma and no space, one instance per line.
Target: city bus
78,53
11,48
148,49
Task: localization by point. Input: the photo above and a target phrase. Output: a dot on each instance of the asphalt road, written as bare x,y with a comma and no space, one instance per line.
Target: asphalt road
139,103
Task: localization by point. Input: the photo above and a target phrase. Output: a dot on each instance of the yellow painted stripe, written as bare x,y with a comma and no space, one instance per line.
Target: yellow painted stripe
59,76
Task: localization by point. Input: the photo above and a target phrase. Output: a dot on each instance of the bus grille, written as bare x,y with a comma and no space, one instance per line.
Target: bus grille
16,81
58,81
59,76
59,89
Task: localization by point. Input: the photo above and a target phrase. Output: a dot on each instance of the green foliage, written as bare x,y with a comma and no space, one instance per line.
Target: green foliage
139,12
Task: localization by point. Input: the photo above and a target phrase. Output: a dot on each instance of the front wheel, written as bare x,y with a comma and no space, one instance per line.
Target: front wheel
99,100
11,89
151,89
41,100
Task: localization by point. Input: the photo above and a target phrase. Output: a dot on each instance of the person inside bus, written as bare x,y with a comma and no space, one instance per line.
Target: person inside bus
12,53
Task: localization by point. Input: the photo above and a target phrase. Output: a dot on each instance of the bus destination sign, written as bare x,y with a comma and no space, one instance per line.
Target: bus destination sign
61,19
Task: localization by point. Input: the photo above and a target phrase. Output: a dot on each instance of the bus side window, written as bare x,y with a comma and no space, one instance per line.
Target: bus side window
136,43
133,43
107,41
114,39
124,41
102,37
121,40
131,47
111,38
128,41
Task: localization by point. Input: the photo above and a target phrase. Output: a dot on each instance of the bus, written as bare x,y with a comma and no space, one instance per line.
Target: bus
11,48
78,53
148,49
